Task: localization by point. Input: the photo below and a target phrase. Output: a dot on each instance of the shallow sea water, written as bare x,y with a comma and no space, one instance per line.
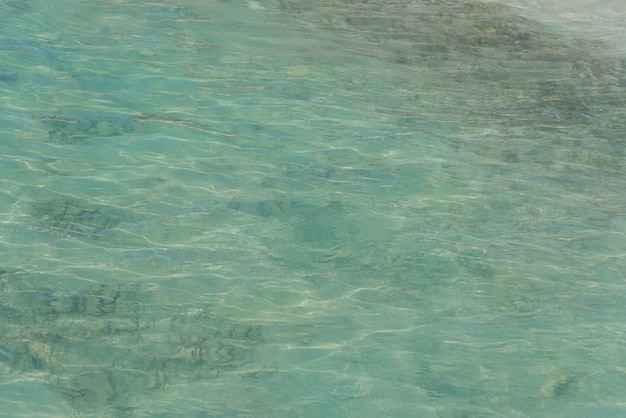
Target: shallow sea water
308,209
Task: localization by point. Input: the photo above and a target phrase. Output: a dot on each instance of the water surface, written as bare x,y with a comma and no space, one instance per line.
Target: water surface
285,208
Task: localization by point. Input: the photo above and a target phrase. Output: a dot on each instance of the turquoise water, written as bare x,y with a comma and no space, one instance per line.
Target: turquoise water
308,209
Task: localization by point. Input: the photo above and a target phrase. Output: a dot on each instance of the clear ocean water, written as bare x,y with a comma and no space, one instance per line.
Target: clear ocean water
288,208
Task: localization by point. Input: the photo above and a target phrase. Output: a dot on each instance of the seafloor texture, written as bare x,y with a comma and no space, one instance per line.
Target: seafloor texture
293,208
102,345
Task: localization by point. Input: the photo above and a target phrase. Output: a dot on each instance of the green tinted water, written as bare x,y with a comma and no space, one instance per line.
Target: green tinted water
286,208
